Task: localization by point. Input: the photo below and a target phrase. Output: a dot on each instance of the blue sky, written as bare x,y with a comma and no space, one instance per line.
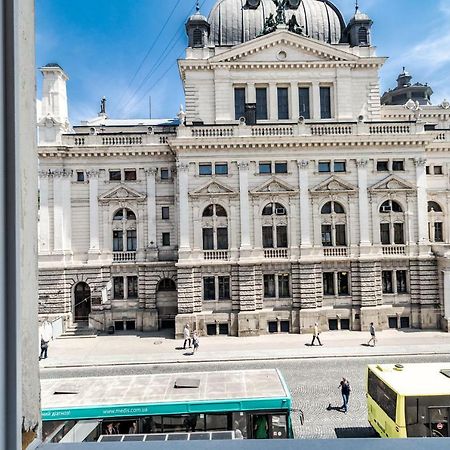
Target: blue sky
101,44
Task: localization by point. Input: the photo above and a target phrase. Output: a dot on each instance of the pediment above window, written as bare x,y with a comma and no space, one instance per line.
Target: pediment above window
393,184
122,193
274,186
334,184
213,188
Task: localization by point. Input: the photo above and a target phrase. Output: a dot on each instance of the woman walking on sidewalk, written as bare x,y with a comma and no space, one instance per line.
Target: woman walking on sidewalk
372,335
195,342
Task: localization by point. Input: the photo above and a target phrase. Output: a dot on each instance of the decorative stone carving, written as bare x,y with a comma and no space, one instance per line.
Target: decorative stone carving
122,193
445,104
303,164
213,187
392,183
243,165
334,184
362,162
61,173
92,173
420,162
151,171
274,185
182,166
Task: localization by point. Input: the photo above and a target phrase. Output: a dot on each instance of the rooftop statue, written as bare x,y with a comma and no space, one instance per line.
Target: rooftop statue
271,24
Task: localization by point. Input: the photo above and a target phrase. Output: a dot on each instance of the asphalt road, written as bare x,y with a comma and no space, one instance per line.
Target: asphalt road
313,385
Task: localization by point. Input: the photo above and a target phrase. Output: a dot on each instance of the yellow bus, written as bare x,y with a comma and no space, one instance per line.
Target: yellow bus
409,400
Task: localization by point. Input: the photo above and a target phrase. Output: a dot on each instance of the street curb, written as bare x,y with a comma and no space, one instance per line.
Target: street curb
244,359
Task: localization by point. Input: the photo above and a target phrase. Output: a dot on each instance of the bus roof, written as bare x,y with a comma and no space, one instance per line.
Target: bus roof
140,395
415,379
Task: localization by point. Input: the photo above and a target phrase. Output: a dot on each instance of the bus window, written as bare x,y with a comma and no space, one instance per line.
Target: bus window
216,422
279,427
240,424
427,416
383,395
260,426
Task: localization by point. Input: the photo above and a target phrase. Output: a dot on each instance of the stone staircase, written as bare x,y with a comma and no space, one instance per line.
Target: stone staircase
79,330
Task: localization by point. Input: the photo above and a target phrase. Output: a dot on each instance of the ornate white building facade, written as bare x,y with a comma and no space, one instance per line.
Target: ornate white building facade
284,195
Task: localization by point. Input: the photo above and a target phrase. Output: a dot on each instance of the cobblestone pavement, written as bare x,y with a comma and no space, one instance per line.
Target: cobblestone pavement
313,385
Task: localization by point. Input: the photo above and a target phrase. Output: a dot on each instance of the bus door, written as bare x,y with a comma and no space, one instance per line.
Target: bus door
438,419
269,426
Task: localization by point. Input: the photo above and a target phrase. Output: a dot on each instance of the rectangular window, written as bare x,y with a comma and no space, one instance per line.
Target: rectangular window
283,286
222,238
115,175
132,284
399,237
267,235
303,99
118,287
166,239
402,286
224,288
328,283
265,167
80,177
283,103
383,395
343,285
427,170
261,104
340,166
164,174
239,103
382,166
282,238
209,288
208,239
130,175
388,288
341,239
165,213
324,166
269,286
205,169
117,241
325,103
398,166
385,233
438,170
280,167
221,169
438,232
326,236
131,240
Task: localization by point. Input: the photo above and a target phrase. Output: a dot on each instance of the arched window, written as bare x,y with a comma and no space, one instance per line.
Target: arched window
166,285
197,38
435,222
274,226
215,228
124,231
363,36
334,225
392,223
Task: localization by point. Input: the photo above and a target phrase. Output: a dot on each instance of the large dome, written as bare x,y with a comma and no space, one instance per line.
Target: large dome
233,23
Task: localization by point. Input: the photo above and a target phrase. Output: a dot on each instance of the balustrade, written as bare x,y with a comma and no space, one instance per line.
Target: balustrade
394,250
335,252
216,255
124,256
276,253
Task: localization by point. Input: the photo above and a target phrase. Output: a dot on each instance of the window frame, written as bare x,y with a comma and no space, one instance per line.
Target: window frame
165,213
165,239
306,114
221,164
326,110
203,166
114,171
239,106
283,109
262,111
128,172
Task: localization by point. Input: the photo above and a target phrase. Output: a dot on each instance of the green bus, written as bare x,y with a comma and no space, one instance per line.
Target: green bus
251,404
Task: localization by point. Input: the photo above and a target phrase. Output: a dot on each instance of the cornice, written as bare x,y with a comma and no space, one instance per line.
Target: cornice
76,152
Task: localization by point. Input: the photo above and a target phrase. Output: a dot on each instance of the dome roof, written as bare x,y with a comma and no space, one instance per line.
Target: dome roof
232,23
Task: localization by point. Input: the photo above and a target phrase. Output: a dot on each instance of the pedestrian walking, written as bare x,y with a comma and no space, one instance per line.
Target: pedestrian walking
344,386
195,341
372,335
46,334
187,336
316,335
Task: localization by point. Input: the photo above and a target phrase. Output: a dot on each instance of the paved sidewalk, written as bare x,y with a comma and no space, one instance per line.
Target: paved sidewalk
143,348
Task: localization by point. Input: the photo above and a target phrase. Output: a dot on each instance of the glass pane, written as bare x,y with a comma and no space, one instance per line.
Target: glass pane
326,209
303,96
383,166
268,210
385,233
209,288
131,240
221,169
260,427
283,286
216,422
239,103
269,286
339,166
240,424
224,288
343,285
117,241
280,167
267,235
279,427
164,174
282,239
387,282
438,232
341,239
208,211
265,167
118,287
398,165
165,213
401,282
328,283
115,175
118,215
338,208
220,211
399,237
205,169
283,103
261,104
326,236
166,239
208,239
324,167
130,175
132,287
325,103
222,238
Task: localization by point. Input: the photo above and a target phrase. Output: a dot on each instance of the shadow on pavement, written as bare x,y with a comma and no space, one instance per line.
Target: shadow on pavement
355,432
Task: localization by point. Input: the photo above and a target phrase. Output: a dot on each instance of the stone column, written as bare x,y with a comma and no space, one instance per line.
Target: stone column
273,102
422,201
244,204
44,220
251,93
447,294
150,174
305,205
292,220
183,183
364,228
94,238
295,108
62,211
315,101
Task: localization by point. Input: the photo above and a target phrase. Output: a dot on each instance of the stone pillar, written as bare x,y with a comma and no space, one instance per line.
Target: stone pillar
273,102
94,238
251,93
447,295
294,240
305,205
62,211
364,228
422,201
295,108
183,189
244,204
44,220
315,101
150,174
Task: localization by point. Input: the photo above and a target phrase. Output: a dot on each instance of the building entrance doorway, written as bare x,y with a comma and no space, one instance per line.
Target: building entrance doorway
166,303
82,302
